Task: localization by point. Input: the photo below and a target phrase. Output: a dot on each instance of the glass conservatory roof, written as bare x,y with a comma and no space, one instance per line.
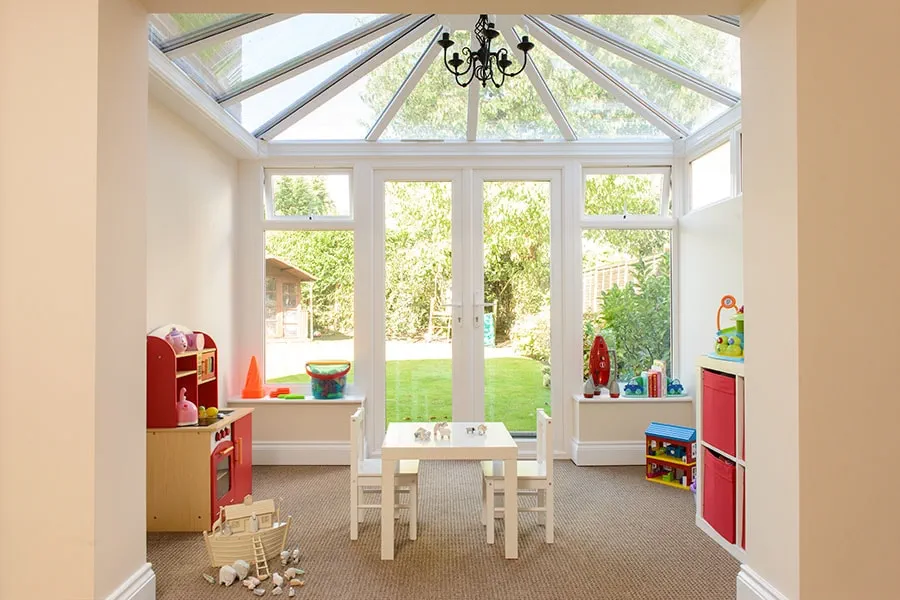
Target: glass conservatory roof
371,77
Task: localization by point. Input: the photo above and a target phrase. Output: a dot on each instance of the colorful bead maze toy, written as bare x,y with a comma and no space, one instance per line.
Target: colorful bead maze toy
729,342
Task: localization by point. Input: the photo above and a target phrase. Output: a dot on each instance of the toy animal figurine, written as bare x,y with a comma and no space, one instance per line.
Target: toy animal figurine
422,435
482,429
441,429
470,430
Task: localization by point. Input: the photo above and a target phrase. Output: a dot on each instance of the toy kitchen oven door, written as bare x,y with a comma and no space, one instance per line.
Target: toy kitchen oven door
222,470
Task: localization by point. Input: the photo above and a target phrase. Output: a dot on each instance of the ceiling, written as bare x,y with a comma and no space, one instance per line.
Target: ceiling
381,77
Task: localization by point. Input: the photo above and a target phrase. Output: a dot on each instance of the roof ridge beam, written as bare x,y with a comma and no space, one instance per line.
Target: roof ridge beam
315,57
612,83
630,51
540,85
723,23
345,77
409,84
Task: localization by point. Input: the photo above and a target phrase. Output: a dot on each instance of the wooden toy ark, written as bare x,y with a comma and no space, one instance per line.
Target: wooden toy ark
671,455
729,342
248,531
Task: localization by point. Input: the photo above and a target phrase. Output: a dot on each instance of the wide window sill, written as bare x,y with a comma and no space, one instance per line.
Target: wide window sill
349,399
605,399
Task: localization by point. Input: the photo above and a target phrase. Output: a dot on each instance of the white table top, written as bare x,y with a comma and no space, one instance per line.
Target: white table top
496,443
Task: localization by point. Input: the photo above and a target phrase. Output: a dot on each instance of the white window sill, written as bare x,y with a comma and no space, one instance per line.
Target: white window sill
349,399
606,399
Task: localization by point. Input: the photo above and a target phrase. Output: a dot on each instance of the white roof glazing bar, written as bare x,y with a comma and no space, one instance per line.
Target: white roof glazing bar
412,80
587,64
512,39
474,100
345,77
315,57
639,55
723,23
210,31
210,37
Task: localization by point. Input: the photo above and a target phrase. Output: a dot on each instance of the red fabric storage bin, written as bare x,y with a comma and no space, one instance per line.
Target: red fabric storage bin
719,494
719,411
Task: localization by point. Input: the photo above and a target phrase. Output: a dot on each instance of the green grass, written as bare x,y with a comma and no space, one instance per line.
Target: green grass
420,390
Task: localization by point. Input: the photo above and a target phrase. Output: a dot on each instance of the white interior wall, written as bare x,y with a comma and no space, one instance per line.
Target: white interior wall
710,261
192,191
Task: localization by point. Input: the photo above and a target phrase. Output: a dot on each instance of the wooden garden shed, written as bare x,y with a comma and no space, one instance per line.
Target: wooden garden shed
287,315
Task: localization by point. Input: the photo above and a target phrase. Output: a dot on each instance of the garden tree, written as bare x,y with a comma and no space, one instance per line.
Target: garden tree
417,255
326,255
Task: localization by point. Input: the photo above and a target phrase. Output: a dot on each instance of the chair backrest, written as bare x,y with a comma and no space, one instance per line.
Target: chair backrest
357,440
545,443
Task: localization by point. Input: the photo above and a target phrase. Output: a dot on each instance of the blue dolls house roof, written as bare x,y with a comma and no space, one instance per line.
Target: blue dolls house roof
672,432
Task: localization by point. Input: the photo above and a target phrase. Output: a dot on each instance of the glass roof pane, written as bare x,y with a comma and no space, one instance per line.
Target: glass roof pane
165,27
227,64
688,107
712,53
437,107
259,108
351,114
514,111
592,111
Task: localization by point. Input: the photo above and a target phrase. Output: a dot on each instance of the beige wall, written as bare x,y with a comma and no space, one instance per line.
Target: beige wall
72,197
849,214
192,189
770,290
627,422
710,259
121,295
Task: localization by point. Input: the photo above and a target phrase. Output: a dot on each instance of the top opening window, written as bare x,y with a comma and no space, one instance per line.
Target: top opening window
293,195
623,192
711,176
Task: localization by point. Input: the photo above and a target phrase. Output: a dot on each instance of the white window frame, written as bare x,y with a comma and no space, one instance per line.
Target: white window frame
271,222
665,193
271,173
636,222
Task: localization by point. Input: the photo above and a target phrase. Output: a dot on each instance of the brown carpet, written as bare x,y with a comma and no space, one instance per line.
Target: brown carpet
618,537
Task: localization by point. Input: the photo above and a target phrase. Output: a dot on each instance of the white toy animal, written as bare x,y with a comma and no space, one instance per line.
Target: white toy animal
441,430
227,575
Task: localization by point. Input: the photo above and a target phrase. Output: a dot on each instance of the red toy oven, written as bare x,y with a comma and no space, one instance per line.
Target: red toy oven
222,471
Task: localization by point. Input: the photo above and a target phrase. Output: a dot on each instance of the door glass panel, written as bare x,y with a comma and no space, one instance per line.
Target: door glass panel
517,298
418,276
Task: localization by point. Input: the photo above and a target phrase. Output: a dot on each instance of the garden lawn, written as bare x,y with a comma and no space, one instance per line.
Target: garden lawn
420,390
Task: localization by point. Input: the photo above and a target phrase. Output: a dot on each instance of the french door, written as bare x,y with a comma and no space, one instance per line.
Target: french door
463,295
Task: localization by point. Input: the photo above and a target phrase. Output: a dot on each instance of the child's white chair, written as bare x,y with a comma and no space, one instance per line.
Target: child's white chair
534,476
366,473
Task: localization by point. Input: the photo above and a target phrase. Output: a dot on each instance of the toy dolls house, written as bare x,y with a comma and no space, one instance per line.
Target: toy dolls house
671,454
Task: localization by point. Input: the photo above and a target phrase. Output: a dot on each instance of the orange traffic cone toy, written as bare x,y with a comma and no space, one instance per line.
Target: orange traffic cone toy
253,387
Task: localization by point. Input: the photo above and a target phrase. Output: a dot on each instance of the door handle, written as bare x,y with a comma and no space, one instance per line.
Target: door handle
478,323
457,311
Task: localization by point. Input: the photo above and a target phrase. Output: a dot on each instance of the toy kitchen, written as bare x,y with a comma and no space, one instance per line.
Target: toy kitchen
199,457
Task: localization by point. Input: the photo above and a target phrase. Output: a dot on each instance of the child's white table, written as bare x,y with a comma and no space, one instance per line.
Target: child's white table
495,444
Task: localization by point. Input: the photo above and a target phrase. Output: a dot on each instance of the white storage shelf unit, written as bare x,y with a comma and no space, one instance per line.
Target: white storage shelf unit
721,462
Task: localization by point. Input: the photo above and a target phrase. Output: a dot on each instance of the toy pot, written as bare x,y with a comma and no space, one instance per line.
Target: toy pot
177,340
186,410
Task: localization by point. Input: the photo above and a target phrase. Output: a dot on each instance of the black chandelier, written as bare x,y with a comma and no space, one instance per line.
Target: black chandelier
482,64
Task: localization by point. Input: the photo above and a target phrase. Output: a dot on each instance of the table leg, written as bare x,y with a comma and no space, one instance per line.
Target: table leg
387,509
511,508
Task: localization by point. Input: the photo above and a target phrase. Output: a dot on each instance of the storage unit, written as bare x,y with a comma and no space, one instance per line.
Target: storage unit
721,465
167,373
193,471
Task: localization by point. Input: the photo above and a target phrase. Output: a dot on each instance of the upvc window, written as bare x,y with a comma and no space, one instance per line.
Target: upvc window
310,262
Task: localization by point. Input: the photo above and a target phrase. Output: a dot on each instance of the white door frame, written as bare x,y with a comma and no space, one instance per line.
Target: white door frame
461,310
554,178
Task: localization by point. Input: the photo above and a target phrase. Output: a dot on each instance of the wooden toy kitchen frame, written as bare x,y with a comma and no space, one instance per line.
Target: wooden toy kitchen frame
192,470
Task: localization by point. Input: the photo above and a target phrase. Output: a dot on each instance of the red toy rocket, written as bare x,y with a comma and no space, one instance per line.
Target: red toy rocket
598,363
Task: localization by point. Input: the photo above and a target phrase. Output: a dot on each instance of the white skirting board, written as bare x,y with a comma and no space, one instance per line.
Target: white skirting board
750,586
301,453
140,586
599,454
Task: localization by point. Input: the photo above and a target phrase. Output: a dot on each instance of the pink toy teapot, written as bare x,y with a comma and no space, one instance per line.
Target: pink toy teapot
187,410
177,340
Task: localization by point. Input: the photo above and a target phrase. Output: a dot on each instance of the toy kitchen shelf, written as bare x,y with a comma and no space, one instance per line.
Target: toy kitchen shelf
721,465
167,373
